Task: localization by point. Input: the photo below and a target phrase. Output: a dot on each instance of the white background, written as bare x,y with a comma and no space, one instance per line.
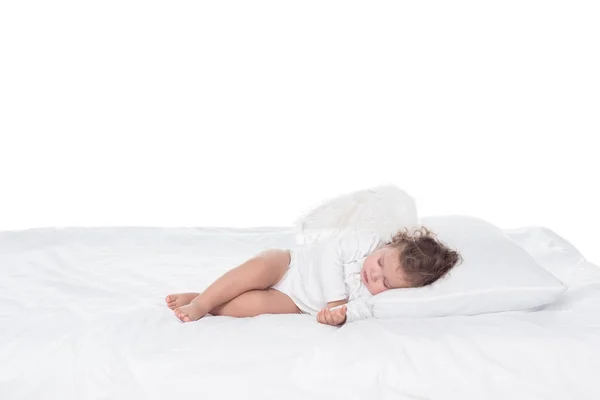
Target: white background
248,113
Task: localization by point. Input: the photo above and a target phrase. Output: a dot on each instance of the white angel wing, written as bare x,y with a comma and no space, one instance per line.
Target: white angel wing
382,209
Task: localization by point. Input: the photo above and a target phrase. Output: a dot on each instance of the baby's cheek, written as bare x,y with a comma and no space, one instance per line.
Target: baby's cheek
375,289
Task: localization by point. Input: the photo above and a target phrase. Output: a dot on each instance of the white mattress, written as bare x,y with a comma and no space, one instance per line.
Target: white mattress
82,316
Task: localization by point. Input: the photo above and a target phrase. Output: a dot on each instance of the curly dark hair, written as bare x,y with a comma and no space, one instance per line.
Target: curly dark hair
423,257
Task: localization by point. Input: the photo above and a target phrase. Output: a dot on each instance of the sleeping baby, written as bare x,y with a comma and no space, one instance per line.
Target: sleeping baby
331,279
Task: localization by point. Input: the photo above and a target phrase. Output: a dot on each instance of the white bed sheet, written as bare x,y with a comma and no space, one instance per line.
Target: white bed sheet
82,316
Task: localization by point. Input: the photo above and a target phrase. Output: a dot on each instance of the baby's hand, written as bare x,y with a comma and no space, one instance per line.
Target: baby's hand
332,317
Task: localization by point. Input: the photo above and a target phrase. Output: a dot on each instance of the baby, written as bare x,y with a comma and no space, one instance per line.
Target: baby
330,279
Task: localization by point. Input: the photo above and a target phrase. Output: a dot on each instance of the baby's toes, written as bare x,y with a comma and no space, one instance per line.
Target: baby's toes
170,302
184,316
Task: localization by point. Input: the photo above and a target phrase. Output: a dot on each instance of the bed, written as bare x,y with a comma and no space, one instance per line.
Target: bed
82,316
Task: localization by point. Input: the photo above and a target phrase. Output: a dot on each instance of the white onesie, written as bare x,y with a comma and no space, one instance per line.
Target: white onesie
329,271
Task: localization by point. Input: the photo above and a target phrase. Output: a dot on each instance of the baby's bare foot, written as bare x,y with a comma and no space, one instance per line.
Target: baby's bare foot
191,312
180,299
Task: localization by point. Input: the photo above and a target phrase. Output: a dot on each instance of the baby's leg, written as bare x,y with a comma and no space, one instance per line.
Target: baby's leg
260,272
257,302
249,304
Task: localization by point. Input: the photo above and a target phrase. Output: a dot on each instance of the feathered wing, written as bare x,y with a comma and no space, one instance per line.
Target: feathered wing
384,210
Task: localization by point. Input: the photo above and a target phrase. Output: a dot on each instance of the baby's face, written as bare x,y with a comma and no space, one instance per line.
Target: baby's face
382,271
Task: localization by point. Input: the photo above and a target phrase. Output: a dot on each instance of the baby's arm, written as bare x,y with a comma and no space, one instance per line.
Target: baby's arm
344,249
339,312
335,317
358,309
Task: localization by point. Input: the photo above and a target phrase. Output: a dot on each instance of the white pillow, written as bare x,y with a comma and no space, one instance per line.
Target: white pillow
556,255
496,275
